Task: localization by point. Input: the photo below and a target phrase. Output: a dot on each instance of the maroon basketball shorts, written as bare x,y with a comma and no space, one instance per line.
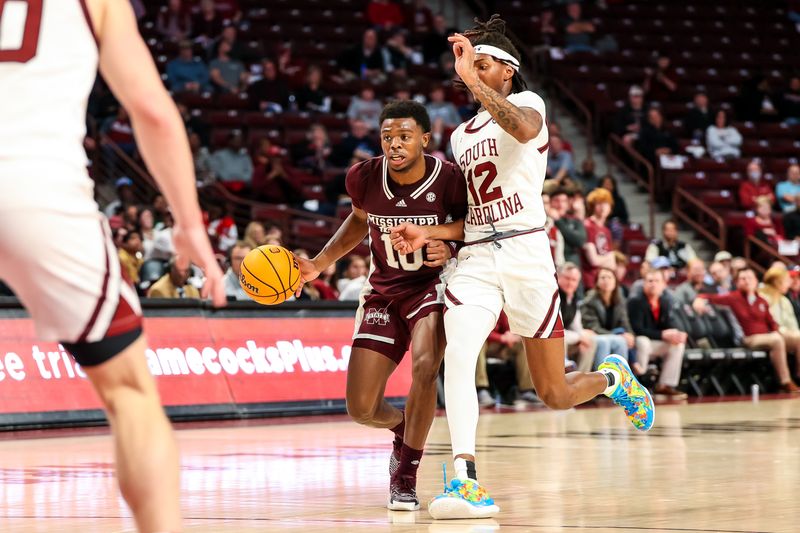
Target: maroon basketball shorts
384,324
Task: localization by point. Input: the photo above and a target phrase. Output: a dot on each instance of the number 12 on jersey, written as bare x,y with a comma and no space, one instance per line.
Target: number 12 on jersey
408,262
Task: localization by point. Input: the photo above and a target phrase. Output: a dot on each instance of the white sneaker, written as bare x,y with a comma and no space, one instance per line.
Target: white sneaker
485,398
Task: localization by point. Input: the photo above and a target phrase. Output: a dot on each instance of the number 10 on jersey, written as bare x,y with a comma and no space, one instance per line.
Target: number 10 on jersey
408,262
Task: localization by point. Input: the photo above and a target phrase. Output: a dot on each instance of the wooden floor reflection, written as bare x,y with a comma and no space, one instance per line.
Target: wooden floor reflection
721,467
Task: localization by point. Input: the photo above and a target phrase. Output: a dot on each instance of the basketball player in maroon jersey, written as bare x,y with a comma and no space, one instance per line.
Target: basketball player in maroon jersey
403,297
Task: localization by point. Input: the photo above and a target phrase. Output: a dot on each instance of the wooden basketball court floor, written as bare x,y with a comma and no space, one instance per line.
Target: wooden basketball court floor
709,467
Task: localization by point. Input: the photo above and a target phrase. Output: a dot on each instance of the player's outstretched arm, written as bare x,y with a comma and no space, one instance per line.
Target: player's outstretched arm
522,123
407,238
348,236
127,66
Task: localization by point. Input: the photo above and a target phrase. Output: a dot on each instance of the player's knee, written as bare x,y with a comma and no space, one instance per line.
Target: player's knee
425,368
555,397
361,411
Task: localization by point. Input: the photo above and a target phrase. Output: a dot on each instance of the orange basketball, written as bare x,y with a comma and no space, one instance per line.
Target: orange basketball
270,274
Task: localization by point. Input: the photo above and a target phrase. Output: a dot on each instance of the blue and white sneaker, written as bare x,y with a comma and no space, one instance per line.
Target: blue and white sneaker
463,499
630,394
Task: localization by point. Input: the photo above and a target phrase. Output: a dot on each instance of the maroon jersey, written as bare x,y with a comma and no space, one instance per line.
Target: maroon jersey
438,198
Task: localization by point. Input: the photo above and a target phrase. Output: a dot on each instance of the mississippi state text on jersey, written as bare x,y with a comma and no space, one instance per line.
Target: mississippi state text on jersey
439,197
504,176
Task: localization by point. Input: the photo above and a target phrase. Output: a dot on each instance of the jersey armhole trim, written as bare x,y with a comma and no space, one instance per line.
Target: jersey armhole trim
88,18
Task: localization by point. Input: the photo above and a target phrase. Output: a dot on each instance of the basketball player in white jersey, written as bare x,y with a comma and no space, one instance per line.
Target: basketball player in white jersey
56,251
506,263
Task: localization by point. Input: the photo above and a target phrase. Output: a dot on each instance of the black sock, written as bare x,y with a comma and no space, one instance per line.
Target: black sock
609,378
471,473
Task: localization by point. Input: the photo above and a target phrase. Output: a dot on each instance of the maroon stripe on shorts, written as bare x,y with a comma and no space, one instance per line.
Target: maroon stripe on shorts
558,329
101,300
124,320
451,297
543,148
548,316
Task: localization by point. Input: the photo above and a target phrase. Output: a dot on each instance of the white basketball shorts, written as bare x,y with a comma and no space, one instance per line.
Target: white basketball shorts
518,277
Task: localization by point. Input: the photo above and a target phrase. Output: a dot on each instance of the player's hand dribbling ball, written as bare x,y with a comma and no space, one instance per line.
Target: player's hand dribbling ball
269,274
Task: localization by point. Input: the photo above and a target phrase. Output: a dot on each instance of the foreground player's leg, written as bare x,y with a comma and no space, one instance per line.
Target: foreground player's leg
614,379
145,449
427,351
467,328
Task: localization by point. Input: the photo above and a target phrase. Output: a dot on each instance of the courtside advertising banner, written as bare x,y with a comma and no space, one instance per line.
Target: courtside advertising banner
196,361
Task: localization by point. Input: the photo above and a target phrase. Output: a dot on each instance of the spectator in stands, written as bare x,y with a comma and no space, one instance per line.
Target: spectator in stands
788,192
311,97
568,224
313,154
621,271
695,283
597,252
629,120
777,283
764,226
760,329
657,336
255,234
174,284
120,132
737,263
207,24
384,14
791,221
579,341
620,210
790,101
547,27
654,140
554,130
161,211
365,107
398,56
130,255
587,179
434,42
504,345
720,276
202,161
357,146
353,278
125,196
232,164
273,234
187,73
173,22
222,230
288,63
271,182
194,124
756,100
661,82
146,228
699,117
722,139
229,10
233,289
230,36
678,252
228,75
439,108
364,61
661,264
270,93
604,311
578,30
556,239
794,290
419,17
559,162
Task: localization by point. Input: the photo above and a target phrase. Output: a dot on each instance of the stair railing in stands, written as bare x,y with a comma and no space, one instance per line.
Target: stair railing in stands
764,249
699,217
586,115
112,162
644,174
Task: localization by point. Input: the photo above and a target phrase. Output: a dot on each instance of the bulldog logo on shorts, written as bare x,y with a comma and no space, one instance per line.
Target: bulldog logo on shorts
376,316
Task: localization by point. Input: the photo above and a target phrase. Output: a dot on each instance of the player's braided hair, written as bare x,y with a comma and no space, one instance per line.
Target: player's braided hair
493,32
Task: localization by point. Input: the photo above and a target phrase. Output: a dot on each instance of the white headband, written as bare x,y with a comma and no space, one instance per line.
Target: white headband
497,53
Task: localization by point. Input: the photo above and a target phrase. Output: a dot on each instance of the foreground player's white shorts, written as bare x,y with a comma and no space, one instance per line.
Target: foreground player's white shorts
57,255
518,277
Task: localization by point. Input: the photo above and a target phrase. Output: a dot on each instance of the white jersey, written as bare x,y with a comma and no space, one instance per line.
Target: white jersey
504,176
48,64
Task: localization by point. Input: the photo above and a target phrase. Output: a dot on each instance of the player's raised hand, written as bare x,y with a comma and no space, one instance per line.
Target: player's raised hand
308,272
437,253
408,238
465,57
192,246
